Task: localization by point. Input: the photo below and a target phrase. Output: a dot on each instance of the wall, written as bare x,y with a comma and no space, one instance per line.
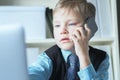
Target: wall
118,16
47,3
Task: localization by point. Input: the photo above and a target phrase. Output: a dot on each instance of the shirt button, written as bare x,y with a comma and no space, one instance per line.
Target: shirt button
102,76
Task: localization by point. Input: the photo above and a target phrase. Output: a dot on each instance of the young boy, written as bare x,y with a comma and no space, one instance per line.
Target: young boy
71,37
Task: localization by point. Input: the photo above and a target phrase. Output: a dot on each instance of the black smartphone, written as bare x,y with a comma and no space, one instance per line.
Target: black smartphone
90,21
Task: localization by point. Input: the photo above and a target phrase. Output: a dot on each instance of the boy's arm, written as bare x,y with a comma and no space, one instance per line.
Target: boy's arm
81,38
42,69
89,72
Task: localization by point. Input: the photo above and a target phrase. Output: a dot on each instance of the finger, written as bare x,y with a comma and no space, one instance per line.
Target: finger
77,34
74,38
82,31
88,30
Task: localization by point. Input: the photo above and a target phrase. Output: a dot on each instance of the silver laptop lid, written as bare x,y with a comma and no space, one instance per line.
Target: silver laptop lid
13,65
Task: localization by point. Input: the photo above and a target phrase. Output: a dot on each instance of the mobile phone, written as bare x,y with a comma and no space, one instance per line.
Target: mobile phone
90,21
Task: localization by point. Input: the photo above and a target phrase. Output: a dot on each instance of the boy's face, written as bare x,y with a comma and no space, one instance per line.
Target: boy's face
65,23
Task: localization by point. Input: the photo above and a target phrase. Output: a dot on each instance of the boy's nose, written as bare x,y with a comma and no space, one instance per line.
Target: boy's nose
64,31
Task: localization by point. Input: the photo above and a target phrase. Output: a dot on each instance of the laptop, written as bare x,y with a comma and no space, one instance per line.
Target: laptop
13,62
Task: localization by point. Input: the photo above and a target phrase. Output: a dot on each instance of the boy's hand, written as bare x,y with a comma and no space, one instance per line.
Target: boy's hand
80,38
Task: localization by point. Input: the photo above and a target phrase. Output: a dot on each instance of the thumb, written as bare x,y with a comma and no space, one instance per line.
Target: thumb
88,30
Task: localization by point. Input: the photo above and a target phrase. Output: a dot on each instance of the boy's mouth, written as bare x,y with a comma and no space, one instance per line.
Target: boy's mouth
65,40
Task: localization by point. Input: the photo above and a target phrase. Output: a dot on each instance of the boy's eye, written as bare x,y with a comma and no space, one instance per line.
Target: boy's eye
56,25
72,24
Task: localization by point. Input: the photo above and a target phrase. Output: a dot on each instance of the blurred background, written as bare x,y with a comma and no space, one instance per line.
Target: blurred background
36,17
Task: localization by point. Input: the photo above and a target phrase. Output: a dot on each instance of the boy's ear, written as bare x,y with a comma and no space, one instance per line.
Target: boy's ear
90,21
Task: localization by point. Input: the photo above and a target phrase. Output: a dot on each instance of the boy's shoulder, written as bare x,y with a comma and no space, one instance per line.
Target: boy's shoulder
95,50
53,51
96,56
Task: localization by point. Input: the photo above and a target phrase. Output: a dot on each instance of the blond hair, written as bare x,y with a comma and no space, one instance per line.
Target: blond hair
82,8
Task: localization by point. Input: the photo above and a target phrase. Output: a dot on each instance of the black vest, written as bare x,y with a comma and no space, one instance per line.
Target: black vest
59,64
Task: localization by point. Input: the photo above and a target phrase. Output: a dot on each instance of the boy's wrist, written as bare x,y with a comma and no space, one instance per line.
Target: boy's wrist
84,61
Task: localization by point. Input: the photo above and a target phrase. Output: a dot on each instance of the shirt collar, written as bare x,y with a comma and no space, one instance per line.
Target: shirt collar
65,54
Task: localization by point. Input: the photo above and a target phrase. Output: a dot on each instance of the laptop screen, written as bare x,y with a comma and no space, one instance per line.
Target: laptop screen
13,64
